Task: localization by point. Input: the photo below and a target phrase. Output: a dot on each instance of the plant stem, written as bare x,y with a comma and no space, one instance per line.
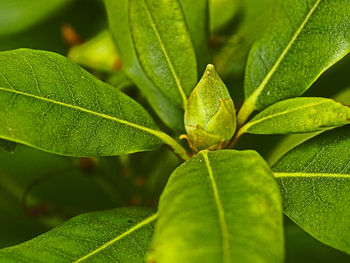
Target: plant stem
244,113
174,145
235,139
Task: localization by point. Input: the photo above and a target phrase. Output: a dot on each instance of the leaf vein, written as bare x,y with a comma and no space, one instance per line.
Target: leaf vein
310,174
80,109
166,55
267,78
221,212
111,242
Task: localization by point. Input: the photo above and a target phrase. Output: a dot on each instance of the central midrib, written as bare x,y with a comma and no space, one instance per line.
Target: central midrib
268,76
102,115
311,174
109,243
167,58
250,124
221,213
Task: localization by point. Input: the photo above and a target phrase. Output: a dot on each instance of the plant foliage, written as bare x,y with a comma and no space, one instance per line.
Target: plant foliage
150,80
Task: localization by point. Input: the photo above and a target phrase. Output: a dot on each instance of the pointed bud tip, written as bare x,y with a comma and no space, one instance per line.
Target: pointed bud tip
210,69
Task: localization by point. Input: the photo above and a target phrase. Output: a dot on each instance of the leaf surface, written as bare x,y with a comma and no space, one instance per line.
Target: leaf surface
299,115
306,38
50,103
254,16
197,16
118,19
290,141
221,206
315,182
119,235
164,47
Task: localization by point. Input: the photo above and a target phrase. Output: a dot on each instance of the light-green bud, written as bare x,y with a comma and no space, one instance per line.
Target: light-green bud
210,118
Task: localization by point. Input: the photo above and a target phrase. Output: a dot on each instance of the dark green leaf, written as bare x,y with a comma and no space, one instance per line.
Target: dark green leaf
17,15
119,25
306,38
299,115
39,190
119,235
315,181
52,104
221,206
7,145
197,17
164,47
302,248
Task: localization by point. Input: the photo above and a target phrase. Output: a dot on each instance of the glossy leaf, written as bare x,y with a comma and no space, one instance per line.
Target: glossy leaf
306,38
17,15
197,17
288,142
164,47
315,182
119,235
299,115
221,206
7,145
117,11
52,104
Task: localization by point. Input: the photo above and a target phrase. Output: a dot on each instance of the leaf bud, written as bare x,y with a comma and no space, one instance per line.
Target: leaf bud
210,118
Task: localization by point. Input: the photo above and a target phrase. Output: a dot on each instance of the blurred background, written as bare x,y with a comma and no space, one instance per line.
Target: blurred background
39,191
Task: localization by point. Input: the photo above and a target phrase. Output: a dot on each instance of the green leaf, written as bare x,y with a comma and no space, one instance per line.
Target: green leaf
221,206
39,190
117,11
164,47
7,145
119,235
315,182
17,15
98,53
52,104
255,17
222,13
197,17
299,115
302,248
288,142
306,38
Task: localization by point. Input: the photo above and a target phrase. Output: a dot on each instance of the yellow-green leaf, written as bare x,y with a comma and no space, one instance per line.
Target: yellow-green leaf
221,206
299,115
